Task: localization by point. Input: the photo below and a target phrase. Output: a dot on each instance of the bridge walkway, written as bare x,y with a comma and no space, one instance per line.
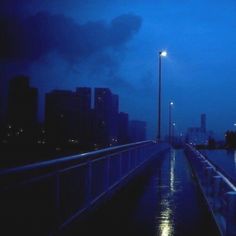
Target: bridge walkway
163,201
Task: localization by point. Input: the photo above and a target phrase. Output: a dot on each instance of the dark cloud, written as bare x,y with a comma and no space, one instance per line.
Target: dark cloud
33,37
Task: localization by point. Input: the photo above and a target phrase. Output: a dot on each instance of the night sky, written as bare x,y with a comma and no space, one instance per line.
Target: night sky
115,44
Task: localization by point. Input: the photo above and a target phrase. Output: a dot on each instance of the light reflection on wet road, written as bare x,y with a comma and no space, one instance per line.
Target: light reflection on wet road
163,201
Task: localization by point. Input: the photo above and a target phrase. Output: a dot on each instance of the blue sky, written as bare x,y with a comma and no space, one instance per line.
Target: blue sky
198,74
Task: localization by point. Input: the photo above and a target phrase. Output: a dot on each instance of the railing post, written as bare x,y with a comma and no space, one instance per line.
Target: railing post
203,164
231,213
58,202
89,183
203,173
107,174
209,175
217,181
120,166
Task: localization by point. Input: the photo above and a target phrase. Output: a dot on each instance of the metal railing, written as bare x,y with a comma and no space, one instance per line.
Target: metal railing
43,198
218,190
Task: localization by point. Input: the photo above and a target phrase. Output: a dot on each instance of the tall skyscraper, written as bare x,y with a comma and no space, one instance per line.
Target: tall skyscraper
22,103
123,128
59,106
22,111
85,117
84,95
198,135
106,112
68,116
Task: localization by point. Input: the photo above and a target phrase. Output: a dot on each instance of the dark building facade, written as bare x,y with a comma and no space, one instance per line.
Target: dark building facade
123,128
22,109
137,131
85,117
106,110
22,102
68,117
198,135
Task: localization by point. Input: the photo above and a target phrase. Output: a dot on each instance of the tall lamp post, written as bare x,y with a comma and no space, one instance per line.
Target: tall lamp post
161,54
173,132
170,121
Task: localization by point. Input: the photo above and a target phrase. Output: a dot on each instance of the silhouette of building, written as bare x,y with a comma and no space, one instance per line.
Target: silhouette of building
106,117
68,117
85,117
137,130
123,128
22,110
198,135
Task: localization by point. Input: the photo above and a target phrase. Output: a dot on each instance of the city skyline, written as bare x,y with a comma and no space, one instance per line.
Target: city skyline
85,118
198,74
117,117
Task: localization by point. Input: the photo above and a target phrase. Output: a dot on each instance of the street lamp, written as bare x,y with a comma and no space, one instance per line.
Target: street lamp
161,54
170,121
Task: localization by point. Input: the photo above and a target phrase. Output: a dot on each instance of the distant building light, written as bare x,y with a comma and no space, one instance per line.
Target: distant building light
61,115
76,141
9,126
21,130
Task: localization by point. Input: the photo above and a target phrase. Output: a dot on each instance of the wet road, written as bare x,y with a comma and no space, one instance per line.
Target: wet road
163,201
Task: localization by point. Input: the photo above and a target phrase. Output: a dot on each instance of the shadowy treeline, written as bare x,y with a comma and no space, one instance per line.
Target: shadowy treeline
228,143
230,139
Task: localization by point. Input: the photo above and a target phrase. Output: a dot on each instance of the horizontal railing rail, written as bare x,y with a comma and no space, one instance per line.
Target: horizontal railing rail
219,191
49,195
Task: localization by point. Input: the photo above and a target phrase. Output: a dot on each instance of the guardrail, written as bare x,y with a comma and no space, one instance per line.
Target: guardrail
218,190
43,198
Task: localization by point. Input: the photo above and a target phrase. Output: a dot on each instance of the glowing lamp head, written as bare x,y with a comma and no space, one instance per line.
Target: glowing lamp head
163,53
171,103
